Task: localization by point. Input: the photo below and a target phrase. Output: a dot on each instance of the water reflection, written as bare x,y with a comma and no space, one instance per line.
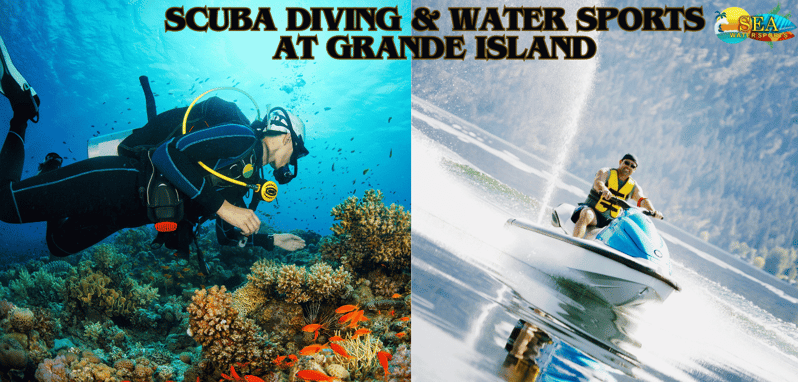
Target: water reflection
534,356
523,348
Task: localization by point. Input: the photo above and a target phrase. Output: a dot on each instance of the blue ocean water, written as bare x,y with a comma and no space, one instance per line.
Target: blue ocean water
84,60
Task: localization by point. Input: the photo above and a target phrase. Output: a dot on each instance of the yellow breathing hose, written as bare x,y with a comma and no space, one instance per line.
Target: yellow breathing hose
268,190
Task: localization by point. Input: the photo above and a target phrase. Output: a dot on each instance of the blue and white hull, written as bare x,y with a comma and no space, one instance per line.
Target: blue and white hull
614,276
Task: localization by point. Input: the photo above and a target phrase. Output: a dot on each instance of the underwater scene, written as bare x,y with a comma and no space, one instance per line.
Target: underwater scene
126,310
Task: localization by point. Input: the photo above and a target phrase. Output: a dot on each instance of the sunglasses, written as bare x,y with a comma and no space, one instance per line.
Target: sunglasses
631,164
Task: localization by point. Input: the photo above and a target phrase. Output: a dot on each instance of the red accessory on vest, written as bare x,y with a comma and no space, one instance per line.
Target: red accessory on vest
165,226
640,201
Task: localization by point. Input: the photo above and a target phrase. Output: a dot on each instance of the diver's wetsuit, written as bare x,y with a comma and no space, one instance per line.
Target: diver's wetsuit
87,201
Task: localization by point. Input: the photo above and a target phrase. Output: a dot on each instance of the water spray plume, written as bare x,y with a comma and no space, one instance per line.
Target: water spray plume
569,133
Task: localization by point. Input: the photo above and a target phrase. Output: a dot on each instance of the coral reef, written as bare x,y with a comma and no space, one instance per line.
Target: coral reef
362,352
225,336
104,335
21,320
248,298
400,365
57,267
96,295
369,234
106,256
53,370
12,355
123,311
297,284
385,286
38,289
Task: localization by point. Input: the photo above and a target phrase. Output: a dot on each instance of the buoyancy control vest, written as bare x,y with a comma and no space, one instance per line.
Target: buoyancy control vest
621,191
140,144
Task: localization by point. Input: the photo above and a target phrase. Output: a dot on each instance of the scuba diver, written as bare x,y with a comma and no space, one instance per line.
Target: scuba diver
158,177
597,210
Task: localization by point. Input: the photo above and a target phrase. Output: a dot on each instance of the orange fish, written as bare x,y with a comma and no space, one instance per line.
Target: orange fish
313,375
336,338
234,374
340,350
360,332
384,357
292,362
392,312
357,318
345,308
404,319
312,328
278,360
311,349
252,378
396,295
165,267
348,316
400,334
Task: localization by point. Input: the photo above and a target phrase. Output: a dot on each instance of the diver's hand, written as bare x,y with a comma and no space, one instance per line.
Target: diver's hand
241,218
607,194
288,241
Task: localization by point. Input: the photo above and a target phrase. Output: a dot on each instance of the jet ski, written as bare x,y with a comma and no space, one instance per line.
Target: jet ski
625,263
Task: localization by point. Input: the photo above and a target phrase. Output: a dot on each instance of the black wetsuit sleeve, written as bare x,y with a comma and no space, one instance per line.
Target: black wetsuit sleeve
177,159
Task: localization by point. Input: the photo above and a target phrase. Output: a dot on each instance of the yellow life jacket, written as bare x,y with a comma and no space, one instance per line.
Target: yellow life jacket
623,193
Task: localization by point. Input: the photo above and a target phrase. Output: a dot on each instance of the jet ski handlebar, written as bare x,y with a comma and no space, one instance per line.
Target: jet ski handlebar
625,205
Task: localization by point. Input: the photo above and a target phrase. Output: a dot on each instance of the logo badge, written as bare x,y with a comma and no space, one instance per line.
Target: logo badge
734,25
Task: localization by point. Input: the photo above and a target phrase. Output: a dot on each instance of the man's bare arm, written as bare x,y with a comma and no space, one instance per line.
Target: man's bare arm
599,184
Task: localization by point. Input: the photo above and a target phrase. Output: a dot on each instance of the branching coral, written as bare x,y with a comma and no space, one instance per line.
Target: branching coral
225,336
135,240
363,355
38,289
368,234
297,284
106,256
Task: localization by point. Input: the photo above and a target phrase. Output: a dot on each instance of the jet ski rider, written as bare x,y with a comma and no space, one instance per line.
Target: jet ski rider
597,210
87,201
